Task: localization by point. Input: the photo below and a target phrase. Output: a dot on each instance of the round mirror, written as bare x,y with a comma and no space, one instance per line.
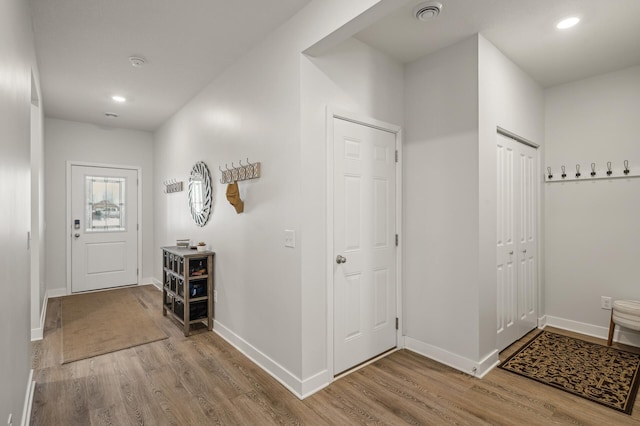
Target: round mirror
200,193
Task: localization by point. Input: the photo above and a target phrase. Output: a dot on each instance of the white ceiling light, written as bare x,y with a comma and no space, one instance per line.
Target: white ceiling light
119,98
137,61
567,23
427,11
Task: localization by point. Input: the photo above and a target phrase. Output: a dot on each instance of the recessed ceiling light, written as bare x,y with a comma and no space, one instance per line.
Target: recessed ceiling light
111,114
567,23
119,98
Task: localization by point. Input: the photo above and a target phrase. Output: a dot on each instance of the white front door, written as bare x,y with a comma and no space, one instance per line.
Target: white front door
104,227
364,243
517,245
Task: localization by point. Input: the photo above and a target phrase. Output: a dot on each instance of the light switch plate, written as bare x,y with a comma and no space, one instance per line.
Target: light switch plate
289,238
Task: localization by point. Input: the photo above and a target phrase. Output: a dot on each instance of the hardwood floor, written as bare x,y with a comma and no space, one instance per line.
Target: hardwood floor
202,380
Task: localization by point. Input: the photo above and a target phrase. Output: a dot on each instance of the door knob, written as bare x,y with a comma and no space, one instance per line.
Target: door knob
524,251
341,259
511,252
77,235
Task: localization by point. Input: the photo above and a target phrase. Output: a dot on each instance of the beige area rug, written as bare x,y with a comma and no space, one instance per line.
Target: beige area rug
105,321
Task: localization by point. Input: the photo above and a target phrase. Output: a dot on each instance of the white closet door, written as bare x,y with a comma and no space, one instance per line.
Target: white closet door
527,239
517,245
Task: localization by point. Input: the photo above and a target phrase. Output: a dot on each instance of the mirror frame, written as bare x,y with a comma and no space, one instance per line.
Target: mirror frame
200,169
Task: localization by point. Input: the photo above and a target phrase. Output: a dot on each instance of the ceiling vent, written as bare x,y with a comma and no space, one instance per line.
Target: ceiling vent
427,11
137,61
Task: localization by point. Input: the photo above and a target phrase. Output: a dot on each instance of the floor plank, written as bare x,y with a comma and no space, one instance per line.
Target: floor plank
203,380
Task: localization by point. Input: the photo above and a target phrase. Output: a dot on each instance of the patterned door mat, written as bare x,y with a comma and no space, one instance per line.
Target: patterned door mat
595,372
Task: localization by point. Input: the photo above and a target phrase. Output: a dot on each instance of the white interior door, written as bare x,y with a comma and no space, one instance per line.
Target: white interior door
517,245
364,243
104,228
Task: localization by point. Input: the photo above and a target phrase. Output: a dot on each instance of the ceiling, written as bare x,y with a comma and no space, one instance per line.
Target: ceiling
83,46
606,39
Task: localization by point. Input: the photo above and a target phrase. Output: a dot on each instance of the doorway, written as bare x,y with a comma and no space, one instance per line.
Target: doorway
103,227
364,245
517,238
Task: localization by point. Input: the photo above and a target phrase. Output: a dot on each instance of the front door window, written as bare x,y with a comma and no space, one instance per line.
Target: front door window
105,205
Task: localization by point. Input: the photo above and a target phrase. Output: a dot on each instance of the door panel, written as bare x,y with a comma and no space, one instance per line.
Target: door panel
105,257
507,290
104,234
353,299
517,215
528,248
364,233
352,200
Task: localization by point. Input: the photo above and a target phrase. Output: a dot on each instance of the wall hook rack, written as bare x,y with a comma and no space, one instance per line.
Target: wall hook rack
609,173
239,173
172,185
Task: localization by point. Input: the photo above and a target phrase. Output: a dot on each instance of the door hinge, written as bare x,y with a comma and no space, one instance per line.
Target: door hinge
137,227
137,271
396,155
397,323
397,240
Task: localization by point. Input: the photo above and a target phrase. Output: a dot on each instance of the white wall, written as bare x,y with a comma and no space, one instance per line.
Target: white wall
592,227
18,59
355,78
73,141
251,110
254,110
441,200
38,254
508,98
454,100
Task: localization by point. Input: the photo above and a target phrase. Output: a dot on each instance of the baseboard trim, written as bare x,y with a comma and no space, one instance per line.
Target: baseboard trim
278,372
156,283
470,367
28,400
401,342
38,333
542,321
148,280
624,337
315,383
57,292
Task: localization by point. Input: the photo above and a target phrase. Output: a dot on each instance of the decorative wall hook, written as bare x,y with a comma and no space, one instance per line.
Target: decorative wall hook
593,169
578,174
239,173
609,171
564,172
626,167
172,185
550,174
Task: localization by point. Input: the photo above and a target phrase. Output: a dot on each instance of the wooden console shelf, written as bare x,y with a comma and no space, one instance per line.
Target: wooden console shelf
187,286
